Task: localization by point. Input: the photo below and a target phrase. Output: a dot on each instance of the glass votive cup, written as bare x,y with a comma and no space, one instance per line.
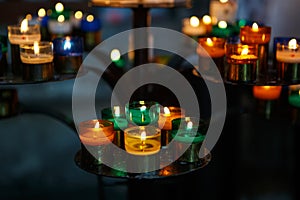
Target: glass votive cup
211,48
37,61
288,60
142,113
18,36
241,63
91,28
116,114
267,92
68,52
142,140
294,95
95,136
257,35
188,133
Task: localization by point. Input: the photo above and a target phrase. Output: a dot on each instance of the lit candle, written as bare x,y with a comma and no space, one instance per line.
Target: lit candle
36,53
188,133
23,34
288,61
142,112
223,10
142,140
193,27
68,52
96,137
258,35
223,30
267,92
241,62
214,47
96,132
91,28
168,114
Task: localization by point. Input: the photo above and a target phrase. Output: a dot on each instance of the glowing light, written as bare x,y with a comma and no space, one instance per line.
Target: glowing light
222,24
245,51
209,42
194,21
143,136
167,111
97,125
59,7
36,48
293,44
255,27
189,125
206,19
41,12
24,26
67,44
117,111
61,18
90,18
223,1
143,108
115,55
78,14
29,17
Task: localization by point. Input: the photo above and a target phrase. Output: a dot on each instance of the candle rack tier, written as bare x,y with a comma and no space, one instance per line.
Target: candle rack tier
173,170
128,4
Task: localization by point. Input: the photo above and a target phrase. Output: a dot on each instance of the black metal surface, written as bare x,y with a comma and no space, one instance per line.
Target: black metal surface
173,170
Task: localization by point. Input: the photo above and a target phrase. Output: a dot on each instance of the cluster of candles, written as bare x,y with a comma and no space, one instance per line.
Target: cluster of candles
142,128
51,44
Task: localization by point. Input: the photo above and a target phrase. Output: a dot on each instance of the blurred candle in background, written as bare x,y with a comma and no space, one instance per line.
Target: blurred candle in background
91,29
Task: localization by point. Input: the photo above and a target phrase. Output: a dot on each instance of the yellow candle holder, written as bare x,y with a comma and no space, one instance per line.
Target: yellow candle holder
241,63
142,140
95,136
212,48
37,60
259,35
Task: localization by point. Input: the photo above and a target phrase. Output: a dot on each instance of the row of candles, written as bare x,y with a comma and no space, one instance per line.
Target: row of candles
143,128
245,59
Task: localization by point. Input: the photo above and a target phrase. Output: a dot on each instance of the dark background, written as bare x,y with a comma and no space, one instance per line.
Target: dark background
255,158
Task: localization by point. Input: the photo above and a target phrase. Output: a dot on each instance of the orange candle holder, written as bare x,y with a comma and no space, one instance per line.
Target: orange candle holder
211,48
165,122
261,36
241,63
95,136
267,92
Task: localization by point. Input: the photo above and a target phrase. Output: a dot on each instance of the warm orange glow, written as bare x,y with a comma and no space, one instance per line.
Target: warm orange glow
167,111
206,19
267,92
255,27
78,14
194,21
24,26
97,125
36,48
90,18
209,42
245,51
293,44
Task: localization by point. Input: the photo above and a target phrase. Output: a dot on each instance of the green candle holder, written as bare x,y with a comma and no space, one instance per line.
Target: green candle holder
294,95
142,113
188,133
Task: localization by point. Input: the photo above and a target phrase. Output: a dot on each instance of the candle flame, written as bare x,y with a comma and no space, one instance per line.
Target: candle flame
206,19
24,26
194,21
90,18
255,27
117,111
293,44
143,136
59,7
78,14
42,12
97,125
189,125
61,18
36,48
67,43
209,42
115,55
222,24
245,51
167,111
143,108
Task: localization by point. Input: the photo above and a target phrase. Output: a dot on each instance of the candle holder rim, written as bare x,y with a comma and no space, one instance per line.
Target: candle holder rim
140,128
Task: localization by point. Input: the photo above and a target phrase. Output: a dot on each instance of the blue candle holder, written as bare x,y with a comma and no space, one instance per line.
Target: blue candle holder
91,28
68,53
